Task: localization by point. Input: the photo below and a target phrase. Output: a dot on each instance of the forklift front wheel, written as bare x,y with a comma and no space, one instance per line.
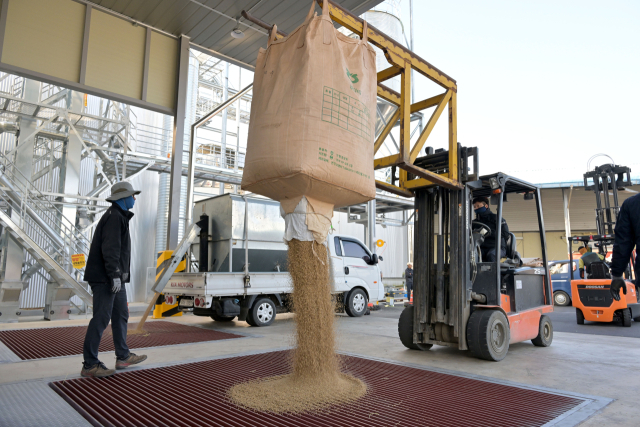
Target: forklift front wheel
405,328
626,317
545,333
488,334
579,317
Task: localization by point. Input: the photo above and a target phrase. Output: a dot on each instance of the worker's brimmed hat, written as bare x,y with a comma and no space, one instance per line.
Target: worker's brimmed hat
120,190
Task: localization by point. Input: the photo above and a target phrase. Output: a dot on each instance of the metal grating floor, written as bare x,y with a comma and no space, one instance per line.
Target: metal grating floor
398,396
67,341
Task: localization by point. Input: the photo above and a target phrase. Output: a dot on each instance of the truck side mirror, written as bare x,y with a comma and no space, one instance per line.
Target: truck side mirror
380,258
367,259
374,259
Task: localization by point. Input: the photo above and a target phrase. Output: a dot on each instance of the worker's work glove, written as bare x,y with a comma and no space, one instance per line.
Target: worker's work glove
117,285
617,284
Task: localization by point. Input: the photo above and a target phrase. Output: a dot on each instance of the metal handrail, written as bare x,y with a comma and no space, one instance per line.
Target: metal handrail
18,191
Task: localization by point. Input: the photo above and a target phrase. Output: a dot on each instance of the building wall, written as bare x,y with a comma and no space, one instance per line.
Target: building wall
522,220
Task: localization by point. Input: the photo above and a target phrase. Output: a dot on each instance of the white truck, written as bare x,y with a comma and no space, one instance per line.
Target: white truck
242,262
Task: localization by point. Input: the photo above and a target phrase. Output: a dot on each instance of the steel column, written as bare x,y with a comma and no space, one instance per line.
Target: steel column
177,148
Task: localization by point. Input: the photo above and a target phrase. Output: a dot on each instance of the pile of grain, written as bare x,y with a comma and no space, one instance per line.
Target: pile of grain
316,381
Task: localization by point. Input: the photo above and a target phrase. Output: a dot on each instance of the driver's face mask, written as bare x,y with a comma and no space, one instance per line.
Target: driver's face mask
480,210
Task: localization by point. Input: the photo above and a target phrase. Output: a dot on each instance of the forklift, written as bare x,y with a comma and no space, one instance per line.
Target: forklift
459,300
591,294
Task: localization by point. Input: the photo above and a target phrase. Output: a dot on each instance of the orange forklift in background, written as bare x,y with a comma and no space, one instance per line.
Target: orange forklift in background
591,295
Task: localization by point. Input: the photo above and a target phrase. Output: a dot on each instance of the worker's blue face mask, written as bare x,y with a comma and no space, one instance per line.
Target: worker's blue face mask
481,210
129,202
126,203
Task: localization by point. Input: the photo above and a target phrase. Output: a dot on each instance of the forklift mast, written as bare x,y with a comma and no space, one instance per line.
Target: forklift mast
605,181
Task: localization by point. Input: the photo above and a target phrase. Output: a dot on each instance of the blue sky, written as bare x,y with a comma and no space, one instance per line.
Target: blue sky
542,85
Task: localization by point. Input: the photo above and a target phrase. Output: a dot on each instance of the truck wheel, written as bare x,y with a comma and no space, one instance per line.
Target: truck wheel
488,334
357,303
263,313
560,298
545,333
219,318
579,317
626,317
405,328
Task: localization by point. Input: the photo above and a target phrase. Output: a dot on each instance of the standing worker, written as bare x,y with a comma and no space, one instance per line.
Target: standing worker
408,278
587,257
627,237
488,218
107,269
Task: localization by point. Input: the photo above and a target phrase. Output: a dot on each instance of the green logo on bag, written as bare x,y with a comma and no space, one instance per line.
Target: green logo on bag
352,77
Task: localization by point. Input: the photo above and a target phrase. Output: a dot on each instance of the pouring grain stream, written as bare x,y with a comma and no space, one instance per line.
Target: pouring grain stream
315,382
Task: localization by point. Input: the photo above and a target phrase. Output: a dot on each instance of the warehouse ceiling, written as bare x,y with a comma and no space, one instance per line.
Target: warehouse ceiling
208,23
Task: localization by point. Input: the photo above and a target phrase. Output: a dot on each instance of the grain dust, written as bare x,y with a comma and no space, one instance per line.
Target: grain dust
315,382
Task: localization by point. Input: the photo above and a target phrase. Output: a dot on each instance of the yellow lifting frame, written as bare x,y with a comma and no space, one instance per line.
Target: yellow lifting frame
402,61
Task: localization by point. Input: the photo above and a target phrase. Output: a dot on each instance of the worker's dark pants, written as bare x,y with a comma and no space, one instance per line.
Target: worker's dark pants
107,306
490,255
409,288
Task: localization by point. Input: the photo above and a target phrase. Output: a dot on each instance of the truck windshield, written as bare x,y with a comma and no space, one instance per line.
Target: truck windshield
338,248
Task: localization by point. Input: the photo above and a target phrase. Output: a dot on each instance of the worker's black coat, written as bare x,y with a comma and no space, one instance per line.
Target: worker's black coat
627,236
408,276
490,219
110,253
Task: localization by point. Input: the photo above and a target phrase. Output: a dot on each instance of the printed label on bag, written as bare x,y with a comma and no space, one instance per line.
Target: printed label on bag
338,160
346,112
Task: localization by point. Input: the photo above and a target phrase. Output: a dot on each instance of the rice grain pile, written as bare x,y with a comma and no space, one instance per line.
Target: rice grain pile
315,382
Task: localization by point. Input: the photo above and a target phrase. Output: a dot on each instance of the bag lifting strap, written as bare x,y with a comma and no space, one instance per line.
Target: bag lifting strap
272,35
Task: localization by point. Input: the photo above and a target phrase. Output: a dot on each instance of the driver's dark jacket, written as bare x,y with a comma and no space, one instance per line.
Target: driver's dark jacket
490,219
627,236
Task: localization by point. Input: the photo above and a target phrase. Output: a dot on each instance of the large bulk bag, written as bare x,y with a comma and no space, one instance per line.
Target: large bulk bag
313,115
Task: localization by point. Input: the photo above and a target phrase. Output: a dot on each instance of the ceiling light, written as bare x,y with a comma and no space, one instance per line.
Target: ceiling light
237,33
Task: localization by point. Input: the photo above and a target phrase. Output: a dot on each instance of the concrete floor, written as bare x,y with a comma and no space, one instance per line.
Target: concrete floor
588,364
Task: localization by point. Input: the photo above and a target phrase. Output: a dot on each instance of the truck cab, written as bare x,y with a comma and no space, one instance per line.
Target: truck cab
241,259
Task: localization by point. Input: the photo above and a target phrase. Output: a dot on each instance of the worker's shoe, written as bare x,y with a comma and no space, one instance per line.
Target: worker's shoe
98,371
133,359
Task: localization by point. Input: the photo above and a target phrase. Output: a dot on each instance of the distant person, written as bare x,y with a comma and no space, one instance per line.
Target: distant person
107,269
408,279
488,218
587,257
627,237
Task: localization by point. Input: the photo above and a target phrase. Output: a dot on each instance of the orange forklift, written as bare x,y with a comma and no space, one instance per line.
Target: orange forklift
591,295
459,300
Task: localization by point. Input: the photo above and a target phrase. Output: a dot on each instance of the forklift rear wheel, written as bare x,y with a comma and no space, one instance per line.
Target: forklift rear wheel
405,328
626,317
545,333
488,334
219,318
561,298
579,317
357,303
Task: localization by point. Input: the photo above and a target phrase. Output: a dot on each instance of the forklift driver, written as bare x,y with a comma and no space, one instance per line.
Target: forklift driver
587,257
490,219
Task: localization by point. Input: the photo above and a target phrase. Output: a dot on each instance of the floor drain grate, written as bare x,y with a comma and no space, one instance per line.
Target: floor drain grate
398,396
66,341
